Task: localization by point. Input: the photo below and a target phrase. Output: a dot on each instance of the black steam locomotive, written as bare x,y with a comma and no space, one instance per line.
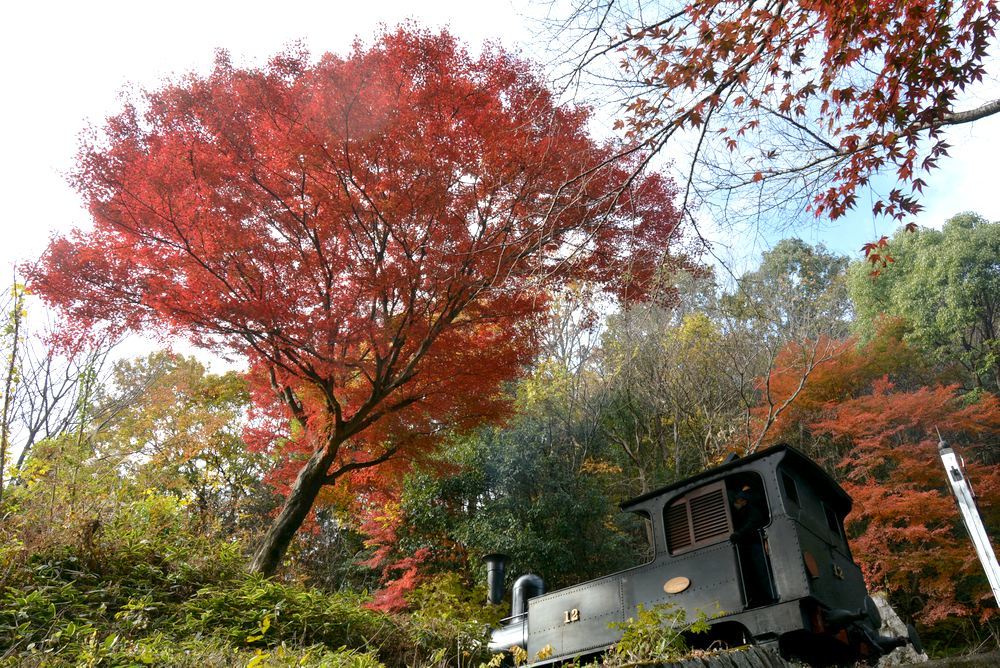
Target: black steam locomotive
757,542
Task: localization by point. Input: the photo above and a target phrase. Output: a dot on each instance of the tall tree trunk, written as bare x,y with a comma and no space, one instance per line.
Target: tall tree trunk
17,314
300,500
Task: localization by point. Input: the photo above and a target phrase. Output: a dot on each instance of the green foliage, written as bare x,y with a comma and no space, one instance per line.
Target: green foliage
946,284
121,579
256,611
446,598
797,291
148,589
161,426
177,428
447,614
654,634
160,650
669,406
515,491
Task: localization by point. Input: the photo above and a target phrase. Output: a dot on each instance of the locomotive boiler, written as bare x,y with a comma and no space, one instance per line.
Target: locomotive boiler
758,543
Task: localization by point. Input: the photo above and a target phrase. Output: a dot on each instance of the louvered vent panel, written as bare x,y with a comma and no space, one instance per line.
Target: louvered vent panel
678,532
708,514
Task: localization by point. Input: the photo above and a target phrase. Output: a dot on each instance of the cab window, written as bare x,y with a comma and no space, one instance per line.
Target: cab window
791,492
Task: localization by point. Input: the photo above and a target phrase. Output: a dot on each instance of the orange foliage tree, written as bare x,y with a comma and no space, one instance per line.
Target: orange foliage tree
377,234
907,532
870,414
807,376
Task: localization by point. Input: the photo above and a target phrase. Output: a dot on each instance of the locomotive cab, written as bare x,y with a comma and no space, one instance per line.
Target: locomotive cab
757,544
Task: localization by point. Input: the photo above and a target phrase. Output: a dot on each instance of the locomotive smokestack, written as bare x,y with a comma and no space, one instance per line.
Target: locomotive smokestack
496,566
525,587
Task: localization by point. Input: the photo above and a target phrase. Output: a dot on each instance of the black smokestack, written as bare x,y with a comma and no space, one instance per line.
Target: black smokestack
526,587
496,566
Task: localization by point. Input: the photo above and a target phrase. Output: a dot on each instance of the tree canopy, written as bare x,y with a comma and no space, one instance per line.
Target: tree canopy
946,285
798,291
375,233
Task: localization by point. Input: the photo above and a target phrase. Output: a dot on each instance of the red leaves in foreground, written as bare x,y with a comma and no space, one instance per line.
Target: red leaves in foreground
834,91
876,254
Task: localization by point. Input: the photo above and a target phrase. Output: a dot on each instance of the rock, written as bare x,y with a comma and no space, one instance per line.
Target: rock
892,625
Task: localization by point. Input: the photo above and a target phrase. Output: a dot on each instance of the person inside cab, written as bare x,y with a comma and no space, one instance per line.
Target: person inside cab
750,515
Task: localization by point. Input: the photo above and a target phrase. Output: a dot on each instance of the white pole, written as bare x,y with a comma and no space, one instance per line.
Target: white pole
970,515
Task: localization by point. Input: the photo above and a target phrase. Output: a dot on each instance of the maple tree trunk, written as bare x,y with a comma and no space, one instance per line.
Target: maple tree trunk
300,500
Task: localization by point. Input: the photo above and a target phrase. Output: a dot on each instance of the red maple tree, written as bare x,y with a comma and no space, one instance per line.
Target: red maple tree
400,573
870,414
906,530
376,233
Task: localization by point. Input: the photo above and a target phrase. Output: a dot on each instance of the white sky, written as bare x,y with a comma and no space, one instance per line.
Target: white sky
64,64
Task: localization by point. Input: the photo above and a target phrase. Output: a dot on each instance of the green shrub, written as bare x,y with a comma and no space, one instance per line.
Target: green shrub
654,634
146,588
159,650
257,611
450,621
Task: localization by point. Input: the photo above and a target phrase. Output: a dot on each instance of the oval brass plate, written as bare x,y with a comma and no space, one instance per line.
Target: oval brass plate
676,585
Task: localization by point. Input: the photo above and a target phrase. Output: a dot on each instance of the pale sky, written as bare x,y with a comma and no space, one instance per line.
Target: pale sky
64,64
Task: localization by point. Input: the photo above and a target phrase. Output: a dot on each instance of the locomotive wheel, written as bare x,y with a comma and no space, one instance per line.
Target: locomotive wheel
817,650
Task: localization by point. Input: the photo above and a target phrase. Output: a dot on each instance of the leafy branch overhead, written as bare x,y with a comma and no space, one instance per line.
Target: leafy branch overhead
795,105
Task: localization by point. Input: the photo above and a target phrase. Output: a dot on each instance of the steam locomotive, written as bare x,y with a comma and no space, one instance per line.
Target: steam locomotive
757,543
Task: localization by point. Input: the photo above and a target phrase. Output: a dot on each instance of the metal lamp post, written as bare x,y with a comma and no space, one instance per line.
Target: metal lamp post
965,497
